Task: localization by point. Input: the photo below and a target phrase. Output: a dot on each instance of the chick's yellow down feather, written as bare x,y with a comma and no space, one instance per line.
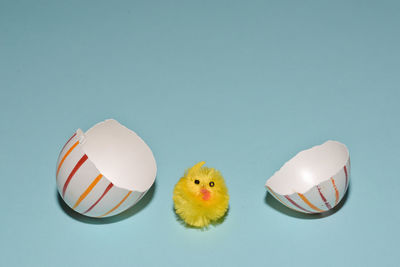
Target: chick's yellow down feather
201,196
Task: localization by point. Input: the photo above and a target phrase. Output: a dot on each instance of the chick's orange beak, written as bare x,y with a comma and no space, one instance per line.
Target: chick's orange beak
206,194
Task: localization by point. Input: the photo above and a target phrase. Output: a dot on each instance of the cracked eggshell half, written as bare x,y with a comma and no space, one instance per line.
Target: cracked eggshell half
315,180
104,171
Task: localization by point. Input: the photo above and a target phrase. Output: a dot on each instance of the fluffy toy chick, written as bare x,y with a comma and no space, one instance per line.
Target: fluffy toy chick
201,196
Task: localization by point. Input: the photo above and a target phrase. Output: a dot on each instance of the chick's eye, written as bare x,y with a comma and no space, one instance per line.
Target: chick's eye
196,181
211,184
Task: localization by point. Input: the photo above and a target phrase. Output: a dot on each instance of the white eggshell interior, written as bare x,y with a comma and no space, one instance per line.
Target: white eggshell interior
309,168
120,155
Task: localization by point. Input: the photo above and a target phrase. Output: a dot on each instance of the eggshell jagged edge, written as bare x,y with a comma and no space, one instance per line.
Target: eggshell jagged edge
116,197
131,168
320,197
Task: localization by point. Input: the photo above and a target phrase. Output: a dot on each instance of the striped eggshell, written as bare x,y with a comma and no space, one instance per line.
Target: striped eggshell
85,189
310,191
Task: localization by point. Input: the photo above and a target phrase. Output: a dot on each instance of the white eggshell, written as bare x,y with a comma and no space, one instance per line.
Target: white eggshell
313,181
104,171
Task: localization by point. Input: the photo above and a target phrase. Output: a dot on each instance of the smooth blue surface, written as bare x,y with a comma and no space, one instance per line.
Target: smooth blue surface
243,85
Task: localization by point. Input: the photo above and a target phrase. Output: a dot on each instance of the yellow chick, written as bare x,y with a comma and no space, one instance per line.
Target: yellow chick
201,196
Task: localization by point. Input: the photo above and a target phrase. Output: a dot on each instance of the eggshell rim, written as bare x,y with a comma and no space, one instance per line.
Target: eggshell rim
298,154
112,179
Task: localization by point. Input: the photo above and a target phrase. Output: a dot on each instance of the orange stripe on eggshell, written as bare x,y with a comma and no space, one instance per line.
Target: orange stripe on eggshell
68,141
116,207
336,191
65,156
309,203
87,191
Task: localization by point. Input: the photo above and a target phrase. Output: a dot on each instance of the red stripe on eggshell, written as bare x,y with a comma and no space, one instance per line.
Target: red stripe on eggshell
65,156
68,141
297,205
74,170
324,199
278,198
104,193
116,206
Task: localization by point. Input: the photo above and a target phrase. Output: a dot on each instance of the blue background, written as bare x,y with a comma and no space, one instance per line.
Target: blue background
243,85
